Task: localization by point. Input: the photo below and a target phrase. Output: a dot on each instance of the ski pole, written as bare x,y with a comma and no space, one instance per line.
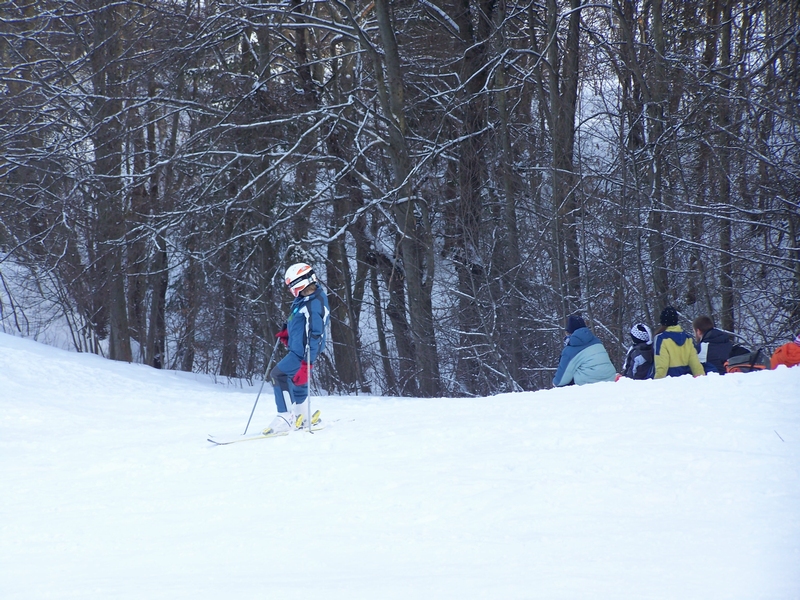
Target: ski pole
269,366
308,398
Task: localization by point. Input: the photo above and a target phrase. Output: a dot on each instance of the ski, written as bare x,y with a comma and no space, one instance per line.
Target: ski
222,441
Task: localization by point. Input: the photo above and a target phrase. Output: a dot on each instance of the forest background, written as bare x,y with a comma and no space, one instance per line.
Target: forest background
462,174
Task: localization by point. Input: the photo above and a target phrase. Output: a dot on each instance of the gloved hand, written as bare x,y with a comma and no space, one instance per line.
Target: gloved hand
301,377
283,335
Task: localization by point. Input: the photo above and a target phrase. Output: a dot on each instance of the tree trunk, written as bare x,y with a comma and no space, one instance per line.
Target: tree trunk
563,106
506,264
107,138
726,284
230,335
388,372
658,247
417,251
343,330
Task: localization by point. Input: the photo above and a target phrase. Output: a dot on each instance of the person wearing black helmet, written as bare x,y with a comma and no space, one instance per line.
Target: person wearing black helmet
304,337
674,351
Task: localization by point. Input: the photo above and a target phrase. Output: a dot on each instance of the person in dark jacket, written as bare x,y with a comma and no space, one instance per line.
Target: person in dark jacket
713,345
304,337
583,359
639,359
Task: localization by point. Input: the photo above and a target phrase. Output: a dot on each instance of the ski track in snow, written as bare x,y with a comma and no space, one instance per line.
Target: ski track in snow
681,488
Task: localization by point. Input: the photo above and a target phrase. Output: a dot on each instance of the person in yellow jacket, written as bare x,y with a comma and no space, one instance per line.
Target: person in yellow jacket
674,351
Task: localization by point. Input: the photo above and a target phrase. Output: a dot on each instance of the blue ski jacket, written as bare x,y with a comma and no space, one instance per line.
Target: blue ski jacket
584,360
307,323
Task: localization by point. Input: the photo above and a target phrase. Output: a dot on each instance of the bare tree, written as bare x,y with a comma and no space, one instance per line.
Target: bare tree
462,174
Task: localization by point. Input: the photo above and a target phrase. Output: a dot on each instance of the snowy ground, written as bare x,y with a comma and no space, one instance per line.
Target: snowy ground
686,488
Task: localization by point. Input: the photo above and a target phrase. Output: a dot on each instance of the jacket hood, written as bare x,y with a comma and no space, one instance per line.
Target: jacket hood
715,336
581,337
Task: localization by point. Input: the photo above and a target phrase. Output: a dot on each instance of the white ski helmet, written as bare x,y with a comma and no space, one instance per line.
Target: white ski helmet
298,277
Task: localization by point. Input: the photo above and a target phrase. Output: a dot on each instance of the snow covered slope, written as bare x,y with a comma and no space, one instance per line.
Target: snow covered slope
685,488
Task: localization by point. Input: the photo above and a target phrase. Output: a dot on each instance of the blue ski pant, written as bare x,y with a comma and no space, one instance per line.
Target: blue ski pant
286,392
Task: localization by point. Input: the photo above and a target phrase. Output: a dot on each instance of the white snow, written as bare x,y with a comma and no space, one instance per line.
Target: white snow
677,489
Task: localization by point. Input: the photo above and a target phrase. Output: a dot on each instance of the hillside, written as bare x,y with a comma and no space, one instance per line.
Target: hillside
685,488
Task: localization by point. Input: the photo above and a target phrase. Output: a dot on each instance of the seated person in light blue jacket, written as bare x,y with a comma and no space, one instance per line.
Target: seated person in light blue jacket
584,359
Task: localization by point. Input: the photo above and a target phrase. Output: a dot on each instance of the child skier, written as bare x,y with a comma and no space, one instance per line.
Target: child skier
304,336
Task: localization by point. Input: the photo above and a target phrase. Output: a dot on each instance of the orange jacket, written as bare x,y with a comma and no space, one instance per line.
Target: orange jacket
788,354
